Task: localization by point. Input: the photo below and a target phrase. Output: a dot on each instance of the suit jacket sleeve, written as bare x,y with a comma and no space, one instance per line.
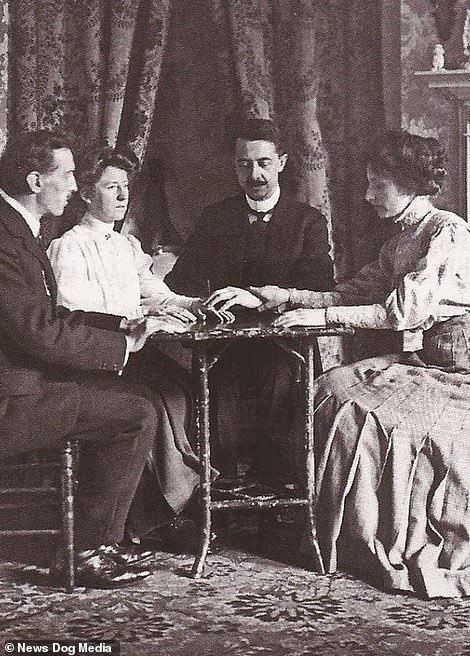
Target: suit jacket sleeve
34,325
314,268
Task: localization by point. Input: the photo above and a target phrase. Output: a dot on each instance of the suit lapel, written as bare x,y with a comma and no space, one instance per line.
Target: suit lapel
279,227
37,250
17,226
239,225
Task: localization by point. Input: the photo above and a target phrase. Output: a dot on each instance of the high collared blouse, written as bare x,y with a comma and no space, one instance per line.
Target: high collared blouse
422,276
98,269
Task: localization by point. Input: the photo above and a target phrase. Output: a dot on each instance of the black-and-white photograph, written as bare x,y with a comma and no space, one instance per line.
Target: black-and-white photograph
234,343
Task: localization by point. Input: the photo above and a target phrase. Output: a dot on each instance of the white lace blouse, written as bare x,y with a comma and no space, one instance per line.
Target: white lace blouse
422,276
98,269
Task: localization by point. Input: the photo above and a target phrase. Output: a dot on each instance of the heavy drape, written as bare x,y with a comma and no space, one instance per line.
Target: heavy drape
94,67
90,66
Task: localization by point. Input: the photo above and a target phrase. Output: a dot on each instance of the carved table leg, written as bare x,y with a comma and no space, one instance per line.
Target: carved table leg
202,401
309,377
68,514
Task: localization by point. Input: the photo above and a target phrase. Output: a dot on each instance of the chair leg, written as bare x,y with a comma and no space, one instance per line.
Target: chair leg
67,458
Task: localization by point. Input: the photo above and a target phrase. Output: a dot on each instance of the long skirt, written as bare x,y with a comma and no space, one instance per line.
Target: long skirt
393,467
172,471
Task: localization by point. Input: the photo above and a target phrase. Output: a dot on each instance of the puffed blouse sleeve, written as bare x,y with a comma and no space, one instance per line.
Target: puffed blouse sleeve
150,285
75,289
415,300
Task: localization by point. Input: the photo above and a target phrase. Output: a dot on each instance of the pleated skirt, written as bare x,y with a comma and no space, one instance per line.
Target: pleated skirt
393,475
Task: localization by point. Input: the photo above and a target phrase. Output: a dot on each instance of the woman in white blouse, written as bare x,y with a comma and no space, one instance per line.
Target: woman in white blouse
99,269
393,432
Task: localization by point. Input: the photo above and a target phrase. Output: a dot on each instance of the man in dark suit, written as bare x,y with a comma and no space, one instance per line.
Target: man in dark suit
259,237
40,407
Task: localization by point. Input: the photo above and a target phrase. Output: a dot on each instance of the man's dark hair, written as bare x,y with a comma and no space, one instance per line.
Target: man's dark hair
416,164
257,129
90,171
27,152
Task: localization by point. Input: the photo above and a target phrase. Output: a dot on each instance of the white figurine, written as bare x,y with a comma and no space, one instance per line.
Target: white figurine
438,61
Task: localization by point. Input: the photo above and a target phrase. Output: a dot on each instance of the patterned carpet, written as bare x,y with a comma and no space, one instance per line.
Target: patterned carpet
246,605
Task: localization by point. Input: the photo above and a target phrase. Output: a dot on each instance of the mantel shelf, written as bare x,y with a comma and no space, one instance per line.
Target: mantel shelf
455,83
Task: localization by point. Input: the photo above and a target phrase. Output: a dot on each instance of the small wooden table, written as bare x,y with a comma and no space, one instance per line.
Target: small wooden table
202,338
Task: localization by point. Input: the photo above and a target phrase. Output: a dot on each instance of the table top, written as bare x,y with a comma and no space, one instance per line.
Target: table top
261,328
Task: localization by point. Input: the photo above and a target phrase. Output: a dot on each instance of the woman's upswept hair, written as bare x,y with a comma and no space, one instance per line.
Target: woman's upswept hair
91,169
416,164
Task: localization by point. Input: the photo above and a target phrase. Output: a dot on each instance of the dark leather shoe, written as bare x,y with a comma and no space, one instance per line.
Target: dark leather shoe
131,554
94,569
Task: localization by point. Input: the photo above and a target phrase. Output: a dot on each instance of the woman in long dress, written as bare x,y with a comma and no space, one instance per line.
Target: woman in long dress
393,432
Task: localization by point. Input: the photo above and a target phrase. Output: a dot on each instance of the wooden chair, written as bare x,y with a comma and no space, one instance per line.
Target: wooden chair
30,484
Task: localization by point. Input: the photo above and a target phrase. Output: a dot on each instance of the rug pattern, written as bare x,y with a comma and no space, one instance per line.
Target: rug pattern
244,606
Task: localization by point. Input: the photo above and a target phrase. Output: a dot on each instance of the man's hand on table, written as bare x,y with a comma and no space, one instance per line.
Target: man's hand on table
310,318
138,330
271,296
223,299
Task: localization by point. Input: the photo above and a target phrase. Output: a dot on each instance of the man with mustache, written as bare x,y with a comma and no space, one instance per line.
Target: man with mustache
258,237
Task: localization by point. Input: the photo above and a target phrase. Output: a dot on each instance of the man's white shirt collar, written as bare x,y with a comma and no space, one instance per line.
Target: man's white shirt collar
266,205
33,222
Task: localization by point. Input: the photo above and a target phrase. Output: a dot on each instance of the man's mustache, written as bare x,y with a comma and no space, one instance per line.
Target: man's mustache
256,183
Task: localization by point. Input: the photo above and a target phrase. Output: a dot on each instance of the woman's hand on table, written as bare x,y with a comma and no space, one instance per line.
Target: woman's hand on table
304,317
166,324
172,311
204,313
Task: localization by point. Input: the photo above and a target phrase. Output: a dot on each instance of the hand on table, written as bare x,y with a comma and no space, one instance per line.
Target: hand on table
270,296
166,309
138,330
205,313
223,299
311,318
167,324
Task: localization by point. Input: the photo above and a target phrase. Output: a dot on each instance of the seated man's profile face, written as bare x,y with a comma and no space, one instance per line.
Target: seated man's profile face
54,187
110,195
258,164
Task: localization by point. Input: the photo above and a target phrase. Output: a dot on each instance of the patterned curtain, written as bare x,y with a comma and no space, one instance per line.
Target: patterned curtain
311,64
270,58
90,67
